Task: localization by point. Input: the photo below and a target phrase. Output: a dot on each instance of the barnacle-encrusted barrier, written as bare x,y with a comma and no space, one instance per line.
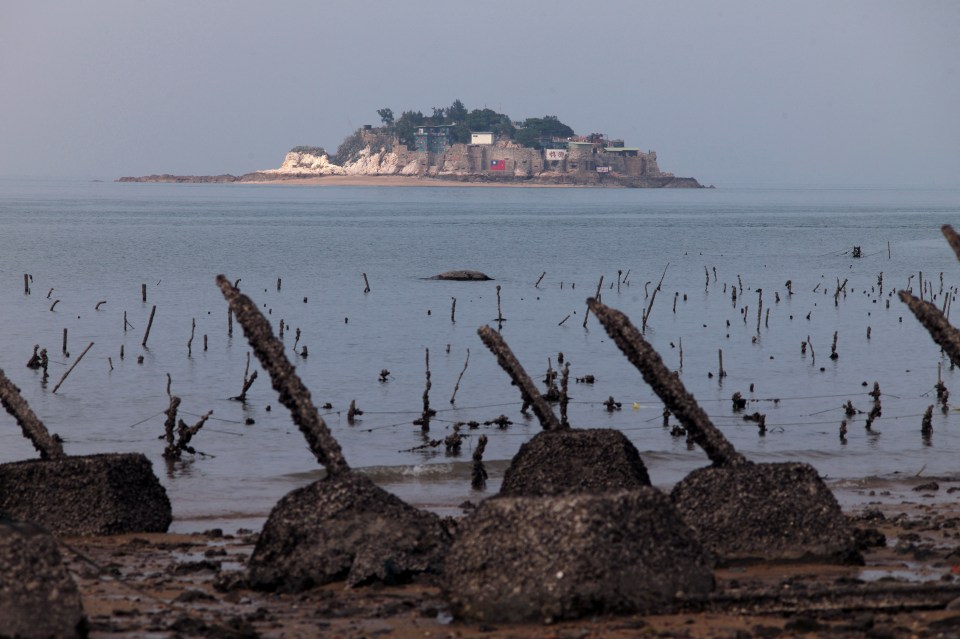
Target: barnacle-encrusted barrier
742,511
83,495
38,598
562,460
341,527
576,530
545,559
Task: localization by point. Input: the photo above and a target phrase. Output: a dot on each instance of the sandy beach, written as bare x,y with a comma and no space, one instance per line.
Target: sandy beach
186,585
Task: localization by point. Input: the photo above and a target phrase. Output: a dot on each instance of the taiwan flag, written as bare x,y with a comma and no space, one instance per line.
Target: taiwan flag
498,165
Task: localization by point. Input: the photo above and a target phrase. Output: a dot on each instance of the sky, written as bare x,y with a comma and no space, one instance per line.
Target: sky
747,93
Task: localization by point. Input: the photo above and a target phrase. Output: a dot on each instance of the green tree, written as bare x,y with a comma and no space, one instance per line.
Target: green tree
406,125
536,131
386,116
490,120
457,113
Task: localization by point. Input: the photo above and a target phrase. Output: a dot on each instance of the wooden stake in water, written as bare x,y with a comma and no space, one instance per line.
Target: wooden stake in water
26,283
424,421
478,480
499,313
366,284
64,348
146,334
69,370
456,386
193,329
596,296
143,293
453,310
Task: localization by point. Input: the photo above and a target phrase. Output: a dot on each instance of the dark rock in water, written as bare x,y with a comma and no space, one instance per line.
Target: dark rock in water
766,512
545,559
86,495
37,596
345,528
575,461
462,276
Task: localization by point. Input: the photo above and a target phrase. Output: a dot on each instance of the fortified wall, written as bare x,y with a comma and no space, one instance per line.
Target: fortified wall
579,163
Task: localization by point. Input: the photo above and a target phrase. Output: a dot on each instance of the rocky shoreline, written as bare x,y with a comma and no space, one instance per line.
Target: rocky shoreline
261,177
186,585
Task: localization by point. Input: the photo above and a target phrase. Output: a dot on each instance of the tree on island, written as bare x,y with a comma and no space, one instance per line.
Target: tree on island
386,116
534,132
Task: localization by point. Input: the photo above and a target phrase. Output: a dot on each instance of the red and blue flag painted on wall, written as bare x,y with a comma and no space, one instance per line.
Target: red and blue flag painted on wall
498,165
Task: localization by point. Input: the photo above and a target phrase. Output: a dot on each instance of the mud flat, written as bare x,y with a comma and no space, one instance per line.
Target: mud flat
137,584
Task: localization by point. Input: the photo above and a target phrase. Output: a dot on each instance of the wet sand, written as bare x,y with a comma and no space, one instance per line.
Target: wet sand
179,585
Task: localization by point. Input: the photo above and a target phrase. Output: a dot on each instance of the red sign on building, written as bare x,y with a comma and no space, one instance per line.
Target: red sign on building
498,165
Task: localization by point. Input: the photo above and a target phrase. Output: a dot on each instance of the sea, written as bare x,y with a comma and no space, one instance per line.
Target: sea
347,271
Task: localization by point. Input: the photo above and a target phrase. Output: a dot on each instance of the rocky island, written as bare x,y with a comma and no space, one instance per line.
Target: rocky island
457,146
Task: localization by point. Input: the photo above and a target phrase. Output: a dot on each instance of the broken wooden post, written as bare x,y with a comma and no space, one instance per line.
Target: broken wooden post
499,313
69,370
193,330
424,421
366,284
596,296
456,386
478,476
453,310
47,445
34,361
646,313
146,334
247,382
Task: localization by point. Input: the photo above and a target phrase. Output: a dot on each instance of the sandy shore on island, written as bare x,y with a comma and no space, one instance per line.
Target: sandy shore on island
396,180
174,585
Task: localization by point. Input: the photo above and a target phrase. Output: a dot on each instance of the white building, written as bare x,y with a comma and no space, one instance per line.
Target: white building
481,137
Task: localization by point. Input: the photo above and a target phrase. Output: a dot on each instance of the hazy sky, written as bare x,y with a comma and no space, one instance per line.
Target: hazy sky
730,92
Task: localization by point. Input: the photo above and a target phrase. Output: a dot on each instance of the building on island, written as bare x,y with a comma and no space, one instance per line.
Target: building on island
433,138
481,137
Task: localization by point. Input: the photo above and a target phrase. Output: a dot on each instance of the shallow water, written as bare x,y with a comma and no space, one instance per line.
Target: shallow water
100,241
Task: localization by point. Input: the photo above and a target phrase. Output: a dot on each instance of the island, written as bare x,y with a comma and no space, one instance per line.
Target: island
456,146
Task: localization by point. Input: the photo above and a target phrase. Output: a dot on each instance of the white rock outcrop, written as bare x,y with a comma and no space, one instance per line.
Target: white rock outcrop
375,163
306,163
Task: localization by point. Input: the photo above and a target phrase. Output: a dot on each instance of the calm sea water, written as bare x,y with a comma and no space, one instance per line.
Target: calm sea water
86,242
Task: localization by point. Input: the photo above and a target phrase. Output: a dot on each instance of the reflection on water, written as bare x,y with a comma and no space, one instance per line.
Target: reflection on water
96,242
